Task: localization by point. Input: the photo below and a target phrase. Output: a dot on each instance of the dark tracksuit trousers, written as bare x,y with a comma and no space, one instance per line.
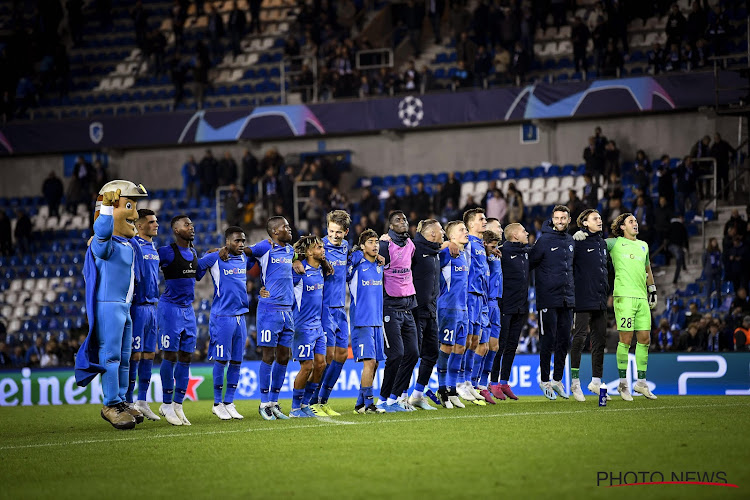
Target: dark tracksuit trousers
596,323
401,347
554,332
510,331
427,335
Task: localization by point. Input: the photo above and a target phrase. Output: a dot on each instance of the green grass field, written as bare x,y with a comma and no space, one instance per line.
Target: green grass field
530,448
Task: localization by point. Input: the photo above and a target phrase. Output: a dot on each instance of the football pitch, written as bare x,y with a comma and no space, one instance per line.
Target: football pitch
531,448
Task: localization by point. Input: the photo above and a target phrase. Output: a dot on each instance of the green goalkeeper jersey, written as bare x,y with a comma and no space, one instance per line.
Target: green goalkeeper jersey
629,257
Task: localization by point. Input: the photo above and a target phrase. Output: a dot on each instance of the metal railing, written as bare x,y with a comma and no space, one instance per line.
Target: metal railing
374,59
297,199
710,175
295,68
741,172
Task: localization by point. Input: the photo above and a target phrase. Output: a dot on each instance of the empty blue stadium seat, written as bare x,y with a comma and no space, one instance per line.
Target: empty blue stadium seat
414,179
389,180
511,173
483,175
539,171
429,179
463,176
401,180
567,170
441,178
524,172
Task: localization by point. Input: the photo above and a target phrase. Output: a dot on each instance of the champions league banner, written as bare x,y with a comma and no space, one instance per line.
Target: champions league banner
668,374
540,101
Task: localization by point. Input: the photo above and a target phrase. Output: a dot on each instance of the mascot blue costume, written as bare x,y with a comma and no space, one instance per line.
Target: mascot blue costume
111,269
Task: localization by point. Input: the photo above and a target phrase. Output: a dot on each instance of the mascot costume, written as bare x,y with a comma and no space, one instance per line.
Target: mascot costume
111,270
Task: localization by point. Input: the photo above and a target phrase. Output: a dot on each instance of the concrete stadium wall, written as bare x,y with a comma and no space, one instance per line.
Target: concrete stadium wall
482,147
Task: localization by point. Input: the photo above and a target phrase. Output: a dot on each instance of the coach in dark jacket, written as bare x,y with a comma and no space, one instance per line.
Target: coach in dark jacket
592,290
514,304
552,257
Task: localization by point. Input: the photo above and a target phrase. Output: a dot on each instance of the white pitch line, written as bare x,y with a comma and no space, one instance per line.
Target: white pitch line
325,420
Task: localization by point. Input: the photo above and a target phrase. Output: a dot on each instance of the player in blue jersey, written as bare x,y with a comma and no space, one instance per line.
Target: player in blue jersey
335,323
176,318
309,345
477,342
143,312
365,279
453,320
227,327
274,322
492,237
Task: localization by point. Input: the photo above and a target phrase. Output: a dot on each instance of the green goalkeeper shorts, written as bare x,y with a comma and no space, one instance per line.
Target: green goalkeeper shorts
632,314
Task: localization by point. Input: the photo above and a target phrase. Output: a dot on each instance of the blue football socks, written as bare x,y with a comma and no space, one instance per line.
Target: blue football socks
264,381
132,376
442,368
167,380
329,380
218,381
145,367
181,379
233,378
278,372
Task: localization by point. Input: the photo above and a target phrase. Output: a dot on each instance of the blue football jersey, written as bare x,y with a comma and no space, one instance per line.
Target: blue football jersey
230,284
275,273
308,298
454,280
147,289
479,271
178,290
495,283
334,293
366,290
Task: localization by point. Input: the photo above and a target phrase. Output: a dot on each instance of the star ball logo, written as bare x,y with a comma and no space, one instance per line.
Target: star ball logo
248,382
410,111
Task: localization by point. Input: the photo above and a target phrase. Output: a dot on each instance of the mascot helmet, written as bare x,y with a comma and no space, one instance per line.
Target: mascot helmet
127,190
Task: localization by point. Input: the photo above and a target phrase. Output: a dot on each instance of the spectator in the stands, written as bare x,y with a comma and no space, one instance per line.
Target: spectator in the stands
26,95
466,50
718,25
190,178
678,245
590,192
676,25
713,268
75,21
613,187
662,339
6,241
481,21
226,170
724,154
519,64
482,66
450,212
233,207
673,60
470,204
291,46
460,19
22,232
644,215
676,316
421,202
595,16
497,207
736,263
99,176
558,7
510,27
575,205
452,189
178,14
139,15
250,174
200,72
236,26
693,315
740,304
687,186
215,31
691,340
515,204
50,357
53,191
83,172
208,174
178,72
662,218
411,77
594,160
714,339
612,210
600,36
737,222
696,22
435,10
702,148
579,37
368,203
611,159
742,335
461,76
413,17
656,58
255,26
665,181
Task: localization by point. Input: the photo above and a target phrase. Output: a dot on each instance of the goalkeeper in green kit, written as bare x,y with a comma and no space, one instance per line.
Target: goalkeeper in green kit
634,297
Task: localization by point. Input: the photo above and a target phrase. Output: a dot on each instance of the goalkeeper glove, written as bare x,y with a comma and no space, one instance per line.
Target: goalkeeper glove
652,296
